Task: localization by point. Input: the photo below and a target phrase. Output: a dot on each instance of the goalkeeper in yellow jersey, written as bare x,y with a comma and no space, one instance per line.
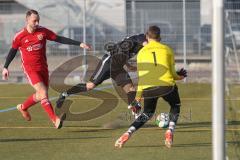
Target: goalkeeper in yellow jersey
157,75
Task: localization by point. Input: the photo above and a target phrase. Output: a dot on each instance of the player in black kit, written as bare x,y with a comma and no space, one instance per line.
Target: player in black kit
111,66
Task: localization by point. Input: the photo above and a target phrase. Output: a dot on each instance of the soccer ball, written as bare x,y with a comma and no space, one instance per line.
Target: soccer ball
162,120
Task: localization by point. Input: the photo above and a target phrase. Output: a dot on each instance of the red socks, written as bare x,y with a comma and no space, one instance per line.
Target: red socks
47,106
30,101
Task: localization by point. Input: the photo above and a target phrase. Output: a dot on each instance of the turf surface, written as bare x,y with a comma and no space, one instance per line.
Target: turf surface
94,139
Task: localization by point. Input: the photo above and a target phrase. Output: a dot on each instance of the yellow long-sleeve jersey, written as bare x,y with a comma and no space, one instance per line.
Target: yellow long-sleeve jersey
156,67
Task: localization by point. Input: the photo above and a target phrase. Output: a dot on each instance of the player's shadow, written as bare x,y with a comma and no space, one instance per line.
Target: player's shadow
193,131
81,126
233,122
204,124
234,142
174,145
194,124
91,130
47,139
206,144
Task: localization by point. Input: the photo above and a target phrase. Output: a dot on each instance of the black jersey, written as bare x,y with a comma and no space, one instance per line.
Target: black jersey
137,44
128,46
112,65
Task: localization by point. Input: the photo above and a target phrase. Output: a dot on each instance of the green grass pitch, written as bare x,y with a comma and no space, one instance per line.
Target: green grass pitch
94,140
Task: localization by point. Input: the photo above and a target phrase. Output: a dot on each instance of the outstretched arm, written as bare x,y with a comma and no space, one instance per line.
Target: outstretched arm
182,73
69,41
12,53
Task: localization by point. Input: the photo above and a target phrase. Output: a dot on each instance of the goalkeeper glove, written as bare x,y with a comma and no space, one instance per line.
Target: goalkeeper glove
182,72
135,106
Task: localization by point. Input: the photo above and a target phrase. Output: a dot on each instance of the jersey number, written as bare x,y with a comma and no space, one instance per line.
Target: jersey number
154,57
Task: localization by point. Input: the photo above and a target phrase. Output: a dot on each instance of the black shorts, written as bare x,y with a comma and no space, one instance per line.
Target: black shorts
168,93
102,72
118,73
111,67
173,96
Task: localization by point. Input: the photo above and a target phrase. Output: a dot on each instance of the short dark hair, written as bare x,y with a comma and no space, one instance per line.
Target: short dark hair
153,32
30,12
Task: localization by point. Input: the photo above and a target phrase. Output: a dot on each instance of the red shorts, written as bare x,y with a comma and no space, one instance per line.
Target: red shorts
35,77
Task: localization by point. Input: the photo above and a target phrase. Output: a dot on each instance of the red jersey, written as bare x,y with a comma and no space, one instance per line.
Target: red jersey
32,47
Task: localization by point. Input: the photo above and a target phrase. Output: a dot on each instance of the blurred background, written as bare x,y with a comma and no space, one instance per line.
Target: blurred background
113,20
185,26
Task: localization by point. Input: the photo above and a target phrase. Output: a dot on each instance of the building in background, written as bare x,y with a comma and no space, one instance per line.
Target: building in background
10,12
168,15
65,17
115,19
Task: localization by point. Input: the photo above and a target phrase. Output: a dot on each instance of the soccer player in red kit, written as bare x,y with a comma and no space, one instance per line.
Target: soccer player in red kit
31,41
